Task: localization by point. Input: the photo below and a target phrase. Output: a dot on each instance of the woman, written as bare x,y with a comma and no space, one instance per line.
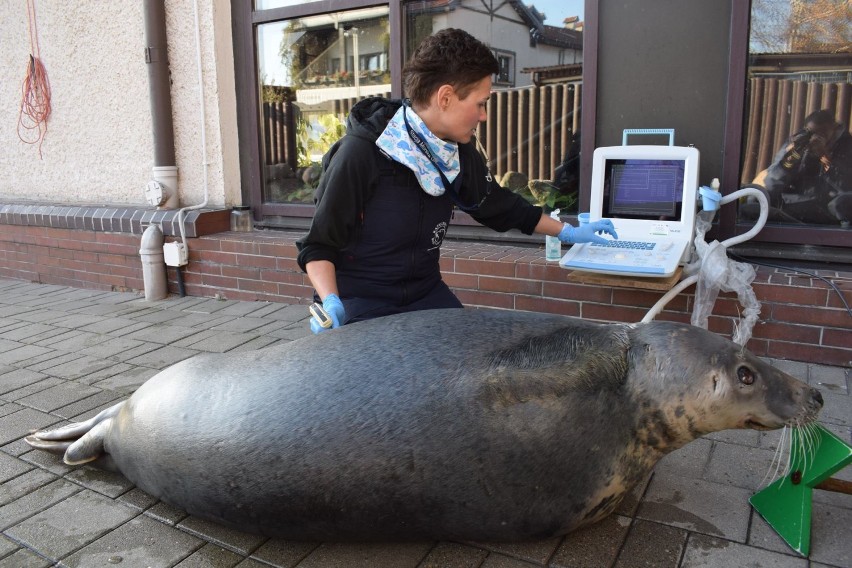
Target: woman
388,189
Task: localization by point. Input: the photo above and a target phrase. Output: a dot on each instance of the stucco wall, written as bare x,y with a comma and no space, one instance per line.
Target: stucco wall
98,148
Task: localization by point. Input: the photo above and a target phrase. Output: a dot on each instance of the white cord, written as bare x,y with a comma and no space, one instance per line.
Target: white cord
204,161
758,226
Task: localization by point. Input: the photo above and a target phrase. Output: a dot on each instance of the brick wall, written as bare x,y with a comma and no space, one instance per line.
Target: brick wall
69,257
802,317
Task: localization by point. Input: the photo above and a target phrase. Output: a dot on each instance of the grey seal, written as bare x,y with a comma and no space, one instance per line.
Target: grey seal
441,424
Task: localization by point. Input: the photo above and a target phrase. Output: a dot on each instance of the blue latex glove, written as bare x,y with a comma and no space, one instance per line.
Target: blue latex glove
587,233
334,308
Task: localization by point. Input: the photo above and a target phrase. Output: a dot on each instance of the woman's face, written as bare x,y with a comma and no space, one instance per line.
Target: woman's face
461,116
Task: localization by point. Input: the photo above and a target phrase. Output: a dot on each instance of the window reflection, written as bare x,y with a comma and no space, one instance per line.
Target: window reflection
311,71
797,144
531,136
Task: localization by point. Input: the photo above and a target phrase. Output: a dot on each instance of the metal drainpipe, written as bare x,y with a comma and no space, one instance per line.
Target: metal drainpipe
156,56
153,264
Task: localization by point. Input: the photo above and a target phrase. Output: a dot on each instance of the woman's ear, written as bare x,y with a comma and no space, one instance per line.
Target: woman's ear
444,95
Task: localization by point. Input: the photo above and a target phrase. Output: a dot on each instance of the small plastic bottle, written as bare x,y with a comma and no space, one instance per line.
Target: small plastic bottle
710,196
552,245
241,219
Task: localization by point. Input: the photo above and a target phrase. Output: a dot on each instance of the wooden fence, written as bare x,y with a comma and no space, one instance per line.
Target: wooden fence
777,108
279,134
528,130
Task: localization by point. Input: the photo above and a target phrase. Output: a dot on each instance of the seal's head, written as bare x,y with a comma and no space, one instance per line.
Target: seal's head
705,383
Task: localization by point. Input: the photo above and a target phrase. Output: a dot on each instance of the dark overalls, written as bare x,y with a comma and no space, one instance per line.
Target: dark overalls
393,264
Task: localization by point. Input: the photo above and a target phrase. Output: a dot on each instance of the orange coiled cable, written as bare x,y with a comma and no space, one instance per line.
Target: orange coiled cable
35,91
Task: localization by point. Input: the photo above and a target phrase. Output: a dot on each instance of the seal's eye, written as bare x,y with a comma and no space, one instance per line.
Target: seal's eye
745,375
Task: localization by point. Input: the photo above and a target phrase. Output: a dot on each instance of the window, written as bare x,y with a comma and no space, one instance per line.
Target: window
506,76
737,130
311,71
796,141
301,68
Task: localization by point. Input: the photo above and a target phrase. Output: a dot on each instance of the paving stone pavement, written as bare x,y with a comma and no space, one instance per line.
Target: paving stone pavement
67,353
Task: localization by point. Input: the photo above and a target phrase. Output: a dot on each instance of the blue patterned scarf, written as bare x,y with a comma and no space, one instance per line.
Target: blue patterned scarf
396,144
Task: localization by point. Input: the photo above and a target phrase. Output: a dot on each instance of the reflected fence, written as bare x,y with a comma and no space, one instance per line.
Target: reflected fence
777,108
528,130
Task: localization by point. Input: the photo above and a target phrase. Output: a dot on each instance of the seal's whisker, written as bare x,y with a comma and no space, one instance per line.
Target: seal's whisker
798,457
776,461
801,457
808,443
813,440
804,444
788,451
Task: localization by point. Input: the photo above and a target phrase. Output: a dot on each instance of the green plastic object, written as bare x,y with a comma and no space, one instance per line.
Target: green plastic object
786,503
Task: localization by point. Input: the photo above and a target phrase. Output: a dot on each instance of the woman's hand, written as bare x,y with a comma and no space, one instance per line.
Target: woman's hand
587,233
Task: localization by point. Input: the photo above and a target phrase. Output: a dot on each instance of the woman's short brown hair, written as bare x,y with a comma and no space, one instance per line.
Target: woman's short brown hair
448,57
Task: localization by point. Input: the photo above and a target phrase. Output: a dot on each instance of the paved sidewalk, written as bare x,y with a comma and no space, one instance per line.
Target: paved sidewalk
67,353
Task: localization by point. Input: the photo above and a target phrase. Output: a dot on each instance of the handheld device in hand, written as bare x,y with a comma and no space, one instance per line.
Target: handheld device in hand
319,314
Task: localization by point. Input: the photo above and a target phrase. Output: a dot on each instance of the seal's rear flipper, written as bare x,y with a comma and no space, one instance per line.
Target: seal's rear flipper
54,447
80,442
90,447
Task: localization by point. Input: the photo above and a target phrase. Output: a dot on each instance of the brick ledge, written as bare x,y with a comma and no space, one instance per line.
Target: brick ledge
115,219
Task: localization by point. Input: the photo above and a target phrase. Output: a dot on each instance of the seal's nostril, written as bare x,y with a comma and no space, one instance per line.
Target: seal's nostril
817,396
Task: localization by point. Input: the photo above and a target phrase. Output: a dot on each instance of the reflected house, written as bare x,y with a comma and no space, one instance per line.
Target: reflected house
515,31
327,62
340,56
345,55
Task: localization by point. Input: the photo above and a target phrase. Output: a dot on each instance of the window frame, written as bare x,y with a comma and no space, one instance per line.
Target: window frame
245,20
771,236
510,56
298,216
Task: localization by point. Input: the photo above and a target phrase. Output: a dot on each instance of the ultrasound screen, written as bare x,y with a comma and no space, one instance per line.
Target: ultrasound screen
643,189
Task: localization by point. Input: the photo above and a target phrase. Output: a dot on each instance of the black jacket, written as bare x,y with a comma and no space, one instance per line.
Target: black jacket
354,169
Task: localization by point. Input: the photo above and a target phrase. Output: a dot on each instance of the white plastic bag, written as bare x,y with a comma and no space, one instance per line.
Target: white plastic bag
716,272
